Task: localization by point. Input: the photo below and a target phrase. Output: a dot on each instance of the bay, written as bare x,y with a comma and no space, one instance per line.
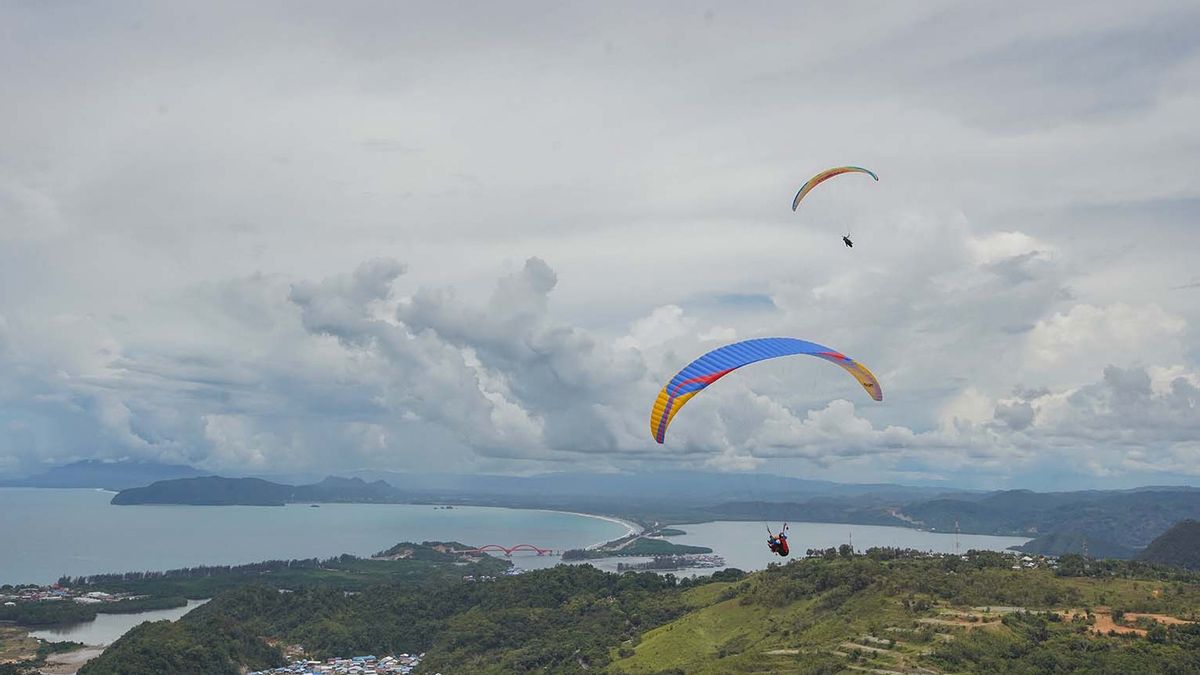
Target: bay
744,544
48,533
106,628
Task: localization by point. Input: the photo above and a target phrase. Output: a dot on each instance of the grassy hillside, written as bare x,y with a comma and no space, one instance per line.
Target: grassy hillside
887,611
942,615
557,620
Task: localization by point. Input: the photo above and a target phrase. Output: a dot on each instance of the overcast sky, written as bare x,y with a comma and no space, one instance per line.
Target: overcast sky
284,237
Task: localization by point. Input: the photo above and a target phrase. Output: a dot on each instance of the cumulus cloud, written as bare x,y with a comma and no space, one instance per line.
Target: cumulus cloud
407,251
358,365
1117,333
663,324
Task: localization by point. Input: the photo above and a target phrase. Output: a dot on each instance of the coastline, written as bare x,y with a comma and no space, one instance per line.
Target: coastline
631,528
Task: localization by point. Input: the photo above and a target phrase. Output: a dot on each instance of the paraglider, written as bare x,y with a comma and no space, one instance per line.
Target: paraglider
846,241
778,543
826,175
724,360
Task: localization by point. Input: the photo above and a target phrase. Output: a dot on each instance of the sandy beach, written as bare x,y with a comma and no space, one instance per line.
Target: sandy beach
631,528
70,662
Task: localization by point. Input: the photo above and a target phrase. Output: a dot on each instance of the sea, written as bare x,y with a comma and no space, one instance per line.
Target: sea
744,544
49,533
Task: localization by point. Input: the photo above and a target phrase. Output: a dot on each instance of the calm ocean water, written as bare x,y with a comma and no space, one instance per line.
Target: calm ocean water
744,545
46,533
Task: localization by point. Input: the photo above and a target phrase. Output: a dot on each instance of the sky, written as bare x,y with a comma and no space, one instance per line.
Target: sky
299,237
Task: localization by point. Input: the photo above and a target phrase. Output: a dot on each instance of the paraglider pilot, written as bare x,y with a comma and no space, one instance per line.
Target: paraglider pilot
778,543
847,242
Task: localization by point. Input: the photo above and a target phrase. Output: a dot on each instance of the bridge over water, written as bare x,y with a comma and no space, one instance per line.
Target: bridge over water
509,550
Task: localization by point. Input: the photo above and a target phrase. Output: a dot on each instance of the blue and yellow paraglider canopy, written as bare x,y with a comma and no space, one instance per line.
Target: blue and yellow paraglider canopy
721,361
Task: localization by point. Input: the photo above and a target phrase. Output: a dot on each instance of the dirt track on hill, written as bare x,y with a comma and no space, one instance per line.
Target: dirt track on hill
1104,621
1161,618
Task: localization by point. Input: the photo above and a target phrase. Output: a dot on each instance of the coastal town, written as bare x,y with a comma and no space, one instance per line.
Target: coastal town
665,563
354,665
10,596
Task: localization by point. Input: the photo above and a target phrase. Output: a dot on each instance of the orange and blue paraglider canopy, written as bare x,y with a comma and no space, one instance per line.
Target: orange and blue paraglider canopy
724,360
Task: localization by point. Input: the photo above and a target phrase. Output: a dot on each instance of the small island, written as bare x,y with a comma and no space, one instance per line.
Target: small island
220,491
635,545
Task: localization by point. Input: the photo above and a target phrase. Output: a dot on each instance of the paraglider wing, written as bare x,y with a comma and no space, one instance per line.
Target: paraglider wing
721,361
826,175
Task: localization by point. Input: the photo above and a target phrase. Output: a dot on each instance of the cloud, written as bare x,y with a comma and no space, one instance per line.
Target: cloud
479,238
663,324
358,365
563,377
1087,337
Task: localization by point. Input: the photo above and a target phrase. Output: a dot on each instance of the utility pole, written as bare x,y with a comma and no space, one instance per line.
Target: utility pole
956,536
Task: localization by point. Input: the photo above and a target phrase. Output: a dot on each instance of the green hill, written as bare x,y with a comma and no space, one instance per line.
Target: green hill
1060,543
915,615
887,611
207,491
1177,547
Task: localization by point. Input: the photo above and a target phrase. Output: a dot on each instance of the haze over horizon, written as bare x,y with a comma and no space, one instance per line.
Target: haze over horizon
283,238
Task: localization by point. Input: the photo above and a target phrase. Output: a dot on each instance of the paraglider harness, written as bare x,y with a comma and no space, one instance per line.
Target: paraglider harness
778,543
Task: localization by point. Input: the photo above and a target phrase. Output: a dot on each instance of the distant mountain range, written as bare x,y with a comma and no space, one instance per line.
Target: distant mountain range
1109,523
1112,519
680,493
1112,523
94,473
680,487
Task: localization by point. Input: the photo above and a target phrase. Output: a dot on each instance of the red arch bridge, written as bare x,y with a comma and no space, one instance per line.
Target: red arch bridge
508,550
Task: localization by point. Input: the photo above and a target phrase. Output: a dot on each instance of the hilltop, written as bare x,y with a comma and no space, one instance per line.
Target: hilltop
1177,547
